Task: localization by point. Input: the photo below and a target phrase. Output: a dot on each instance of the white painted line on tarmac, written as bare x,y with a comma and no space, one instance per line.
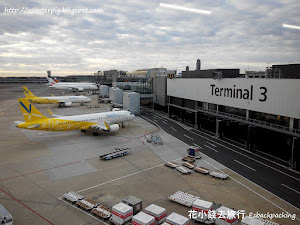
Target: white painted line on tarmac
211,148
248,156
197,145
211,144
119,178
253,190
82,211
245,165
173,128
290,188
164,122
188,137
155,120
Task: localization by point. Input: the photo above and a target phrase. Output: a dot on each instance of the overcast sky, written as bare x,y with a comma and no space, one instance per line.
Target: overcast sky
136,34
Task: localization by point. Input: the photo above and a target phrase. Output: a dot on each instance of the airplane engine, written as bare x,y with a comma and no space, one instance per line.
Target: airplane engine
68,103
114,127
80,89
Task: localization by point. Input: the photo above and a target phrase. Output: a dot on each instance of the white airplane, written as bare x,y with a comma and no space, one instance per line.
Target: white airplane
106,121
61,100
57,81
72,85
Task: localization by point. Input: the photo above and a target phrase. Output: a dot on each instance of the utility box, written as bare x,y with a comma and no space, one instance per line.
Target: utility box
143,219
121,213
134,202
176,219
225,216
158,212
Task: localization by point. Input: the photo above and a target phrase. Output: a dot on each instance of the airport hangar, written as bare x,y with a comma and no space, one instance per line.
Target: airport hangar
260,114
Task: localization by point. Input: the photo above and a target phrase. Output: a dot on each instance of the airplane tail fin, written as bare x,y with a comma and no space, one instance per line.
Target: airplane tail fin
28,93
30,113
52,114
51,81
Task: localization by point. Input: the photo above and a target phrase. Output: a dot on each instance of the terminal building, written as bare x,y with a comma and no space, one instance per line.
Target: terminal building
260,114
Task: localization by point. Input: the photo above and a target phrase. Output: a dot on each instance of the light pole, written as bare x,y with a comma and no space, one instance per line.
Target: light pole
292,156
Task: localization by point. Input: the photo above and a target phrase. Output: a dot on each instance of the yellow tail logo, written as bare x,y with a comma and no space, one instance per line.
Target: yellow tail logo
30,113
28,93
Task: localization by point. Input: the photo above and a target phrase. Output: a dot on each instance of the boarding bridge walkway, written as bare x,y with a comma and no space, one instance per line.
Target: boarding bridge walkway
253,122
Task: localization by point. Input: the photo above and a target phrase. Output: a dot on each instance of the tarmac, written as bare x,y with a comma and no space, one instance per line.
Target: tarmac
38,167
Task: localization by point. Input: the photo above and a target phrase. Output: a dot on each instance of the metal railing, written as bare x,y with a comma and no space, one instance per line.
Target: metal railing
254,122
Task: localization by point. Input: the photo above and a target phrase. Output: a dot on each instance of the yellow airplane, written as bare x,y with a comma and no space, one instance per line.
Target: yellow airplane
61,100
35,120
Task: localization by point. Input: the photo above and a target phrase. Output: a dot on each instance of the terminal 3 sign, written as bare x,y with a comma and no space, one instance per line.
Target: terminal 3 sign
235,92
271,96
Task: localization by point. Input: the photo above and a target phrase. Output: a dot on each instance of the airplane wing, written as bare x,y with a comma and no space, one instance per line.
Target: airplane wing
101,126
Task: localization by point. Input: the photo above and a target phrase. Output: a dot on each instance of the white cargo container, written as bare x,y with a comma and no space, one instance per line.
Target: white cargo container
131,102
143,219
104,91
225,216
121,213
251,221
111,93
202,207
158,212
176,219
118,96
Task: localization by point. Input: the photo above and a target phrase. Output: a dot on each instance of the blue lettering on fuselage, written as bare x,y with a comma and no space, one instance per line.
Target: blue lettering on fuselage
113,115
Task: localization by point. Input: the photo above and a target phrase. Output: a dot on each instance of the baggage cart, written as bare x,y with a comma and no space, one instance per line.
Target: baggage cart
201,169
183,198
217,174
72,197
189,165
102,212
119,152
188,159
183,170
172,164
87,204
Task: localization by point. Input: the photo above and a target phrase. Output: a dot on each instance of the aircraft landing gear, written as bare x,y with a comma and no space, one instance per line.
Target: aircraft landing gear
83,130
123,125
95,133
